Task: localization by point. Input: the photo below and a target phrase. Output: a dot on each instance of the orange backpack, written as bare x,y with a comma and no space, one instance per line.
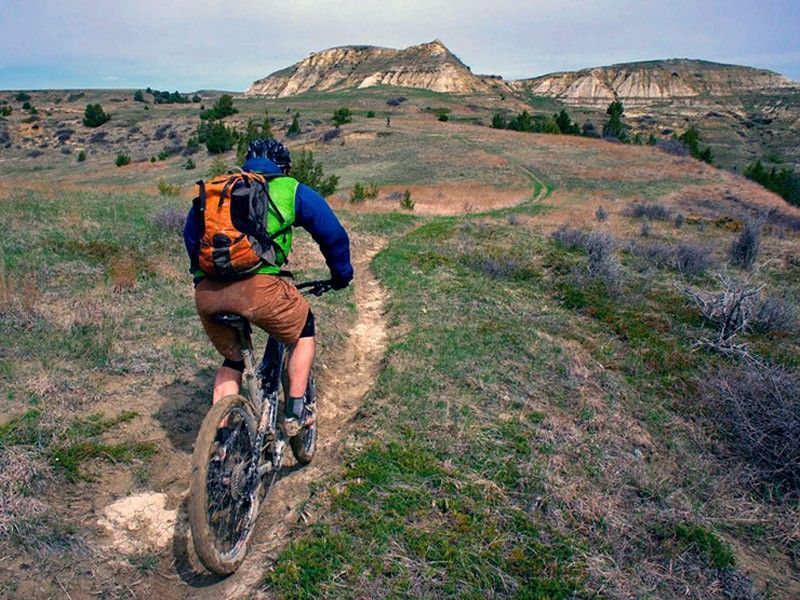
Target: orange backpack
231,211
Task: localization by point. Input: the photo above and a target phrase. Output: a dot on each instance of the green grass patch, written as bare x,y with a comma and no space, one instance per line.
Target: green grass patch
707,543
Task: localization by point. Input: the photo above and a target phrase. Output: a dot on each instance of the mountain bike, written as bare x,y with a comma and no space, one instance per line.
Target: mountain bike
240,447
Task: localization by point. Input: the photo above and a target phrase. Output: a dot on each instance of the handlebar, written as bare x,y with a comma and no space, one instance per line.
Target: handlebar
315,288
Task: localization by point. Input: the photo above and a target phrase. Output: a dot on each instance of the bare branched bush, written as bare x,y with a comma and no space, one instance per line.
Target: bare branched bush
574,239
745,248
691,259
679,220
170,219
601,214
759,409
673,147
687,258
646,229
651,210
731,309
603,265
775,312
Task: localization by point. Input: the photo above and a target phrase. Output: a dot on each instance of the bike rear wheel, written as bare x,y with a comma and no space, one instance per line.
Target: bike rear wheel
223,505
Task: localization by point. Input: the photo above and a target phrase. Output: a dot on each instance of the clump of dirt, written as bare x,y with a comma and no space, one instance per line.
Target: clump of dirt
139,523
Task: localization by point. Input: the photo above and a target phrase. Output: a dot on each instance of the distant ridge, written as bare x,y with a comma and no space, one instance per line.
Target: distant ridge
430,66
653,80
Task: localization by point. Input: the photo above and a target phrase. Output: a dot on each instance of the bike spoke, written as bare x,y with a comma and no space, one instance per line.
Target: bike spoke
227,485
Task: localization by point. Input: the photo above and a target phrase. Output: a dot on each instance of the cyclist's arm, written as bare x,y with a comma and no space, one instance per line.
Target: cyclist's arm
191,239
313,214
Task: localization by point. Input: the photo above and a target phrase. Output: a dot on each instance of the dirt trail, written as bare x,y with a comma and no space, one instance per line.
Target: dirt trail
340,393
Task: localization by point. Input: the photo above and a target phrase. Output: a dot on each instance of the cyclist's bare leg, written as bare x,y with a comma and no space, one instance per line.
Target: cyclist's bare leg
298,367
228,381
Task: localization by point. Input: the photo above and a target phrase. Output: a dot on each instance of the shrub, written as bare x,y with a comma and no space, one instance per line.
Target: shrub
691,259
196,99
406,203
5,111
691,137
164,97
222,108
331,134
94,116
499,121
646,229
220,138
294,128
785,183
650,210
679,220
164,154
673,147
341,116
396,101
370,114
357,195
775,313
565,124
758,408
372,191
82,156
167,189
730,309
218,167
26,105
307,171
614,127
122,160
603,265
600,214
589,130
745,248
687,258
443,117
22,96
169,219
189,164
138,96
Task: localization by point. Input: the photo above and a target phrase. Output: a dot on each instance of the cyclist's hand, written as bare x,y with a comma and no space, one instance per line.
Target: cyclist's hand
320,288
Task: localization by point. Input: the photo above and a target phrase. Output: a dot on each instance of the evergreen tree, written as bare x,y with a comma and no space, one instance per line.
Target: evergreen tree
138,96
614,127
342,116
294,128
499,121
94,116
565,124
307,171
219,138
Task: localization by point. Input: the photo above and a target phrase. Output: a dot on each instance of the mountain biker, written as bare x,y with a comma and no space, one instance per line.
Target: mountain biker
264,298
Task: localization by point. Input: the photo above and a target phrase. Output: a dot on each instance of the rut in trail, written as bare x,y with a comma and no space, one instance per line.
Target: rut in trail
340,395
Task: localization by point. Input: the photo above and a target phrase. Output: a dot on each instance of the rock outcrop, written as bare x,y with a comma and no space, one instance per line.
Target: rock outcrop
430,66
651,81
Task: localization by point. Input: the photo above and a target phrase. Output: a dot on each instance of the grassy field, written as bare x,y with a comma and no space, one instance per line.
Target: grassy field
541,425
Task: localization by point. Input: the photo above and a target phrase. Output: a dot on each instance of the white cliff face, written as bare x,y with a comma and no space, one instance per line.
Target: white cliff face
430,66
653,81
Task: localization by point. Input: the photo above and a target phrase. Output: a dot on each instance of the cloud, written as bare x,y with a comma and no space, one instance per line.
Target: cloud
203,44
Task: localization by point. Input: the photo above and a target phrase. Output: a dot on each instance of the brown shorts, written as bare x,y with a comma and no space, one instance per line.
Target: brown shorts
267,301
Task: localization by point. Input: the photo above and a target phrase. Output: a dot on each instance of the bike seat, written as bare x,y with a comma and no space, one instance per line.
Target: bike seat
230,319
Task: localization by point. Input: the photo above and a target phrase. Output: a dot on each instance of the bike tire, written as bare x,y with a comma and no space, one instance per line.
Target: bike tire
304,444
211,549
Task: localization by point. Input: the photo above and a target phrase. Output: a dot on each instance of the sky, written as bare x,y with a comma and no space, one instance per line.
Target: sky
210,44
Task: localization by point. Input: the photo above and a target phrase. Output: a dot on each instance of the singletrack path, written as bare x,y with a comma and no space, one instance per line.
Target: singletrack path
340,393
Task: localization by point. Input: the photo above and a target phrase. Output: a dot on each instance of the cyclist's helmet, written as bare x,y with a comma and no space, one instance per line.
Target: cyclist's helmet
273,150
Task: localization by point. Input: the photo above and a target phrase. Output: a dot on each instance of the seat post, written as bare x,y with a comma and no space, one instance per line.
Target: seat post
248,376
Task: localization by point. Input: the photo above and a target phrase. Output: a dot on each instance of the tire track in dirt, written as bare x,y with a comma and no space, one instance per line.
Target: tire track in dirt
340,395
